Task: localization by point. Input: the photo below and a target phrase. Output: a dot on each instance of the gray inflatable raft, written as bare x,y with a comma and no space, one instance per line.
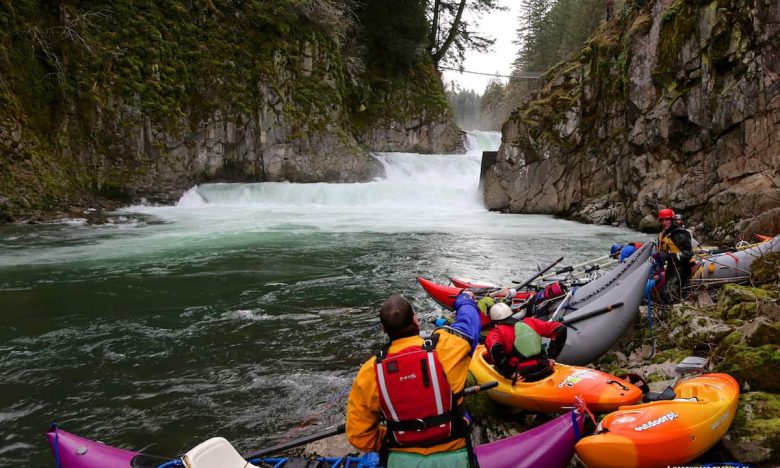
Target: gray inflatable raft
591,335
730,267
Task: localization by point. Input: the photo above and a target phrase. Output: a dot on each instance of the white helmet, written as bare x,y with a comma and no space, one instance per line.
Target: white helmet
500,311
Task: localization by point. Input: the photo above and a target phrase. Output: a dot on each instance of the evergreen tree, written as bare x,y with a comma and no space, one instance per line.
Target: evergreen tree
530,34
550,30
450,31
394,33
494,106
465,108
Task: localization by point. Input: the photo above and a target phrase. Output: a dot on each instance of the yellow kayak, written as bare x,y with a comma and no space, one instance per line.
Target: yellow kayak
557,392
663,433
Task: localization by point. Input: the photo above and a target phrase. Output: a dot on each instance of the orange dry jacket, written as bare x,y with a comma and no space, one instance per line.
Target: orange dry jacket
363,409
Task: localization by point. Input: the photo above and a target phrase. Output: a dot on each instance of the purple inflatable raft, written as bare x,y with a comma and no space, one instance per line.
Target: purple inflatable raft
549,445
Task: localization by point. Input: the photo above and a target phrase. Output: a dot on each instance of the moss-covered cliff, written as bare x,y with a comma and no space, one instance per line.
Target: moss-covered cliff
132,98
673,103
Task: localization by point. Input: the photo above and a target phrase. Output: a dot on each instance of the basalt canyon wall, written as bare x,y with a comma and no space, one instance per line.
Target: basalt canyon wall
674,103
139,100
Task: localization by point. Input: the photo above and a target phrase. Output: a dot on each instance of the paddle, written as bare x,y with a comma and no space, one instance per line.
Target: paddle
561,305
341,428
592,268
537,275
574,267
592,313
477,388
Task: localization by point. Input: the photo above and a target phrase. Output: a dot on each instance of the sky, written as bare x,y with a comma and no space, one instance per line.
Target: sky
501,26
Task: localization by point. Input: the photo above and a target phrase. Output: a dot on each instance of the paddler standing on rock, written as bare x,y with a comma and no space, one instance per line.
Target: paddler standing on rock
675,247
413,384
678,220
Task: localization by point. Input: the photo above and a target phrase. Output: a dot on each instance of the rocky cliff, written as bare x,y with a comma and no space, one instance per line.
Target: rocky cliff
138,100
674,103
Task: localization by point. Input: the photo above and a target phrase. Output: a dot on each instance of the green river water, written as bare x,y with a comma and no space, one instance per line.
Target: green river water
244,310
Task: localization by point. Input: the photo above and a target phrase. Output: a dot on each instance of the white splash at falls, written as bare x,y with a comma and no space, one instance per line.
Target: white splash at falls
426,194
412,183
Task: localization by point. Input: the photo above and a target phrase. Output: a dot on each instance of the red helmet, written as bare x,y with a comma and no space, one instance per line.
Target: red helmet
666,213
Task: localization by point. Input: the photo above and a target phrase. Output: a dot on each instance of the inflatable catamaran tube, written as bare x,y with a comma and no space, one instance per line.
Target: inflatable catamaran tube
591,335
730,267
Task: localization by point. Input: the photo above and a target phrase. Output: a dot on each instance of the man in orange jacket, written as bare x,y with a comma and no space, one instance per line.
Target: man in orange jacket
413,386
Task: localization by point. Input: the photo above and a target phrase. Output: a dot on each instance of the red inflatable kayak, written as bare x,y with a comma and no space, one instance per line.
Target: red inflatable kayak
445,295
460,282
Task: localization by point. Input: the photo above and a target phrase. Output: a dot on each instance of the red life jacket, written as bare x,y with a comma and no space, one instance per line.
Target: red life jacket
415,396
551,291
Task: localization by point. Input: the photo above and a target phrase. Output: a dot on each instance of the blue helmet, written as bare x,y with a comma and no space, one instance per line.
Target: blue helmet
615,249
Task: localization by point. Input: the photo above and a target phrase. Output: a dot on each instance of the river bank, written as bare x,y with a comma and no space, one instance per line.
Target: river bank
736,327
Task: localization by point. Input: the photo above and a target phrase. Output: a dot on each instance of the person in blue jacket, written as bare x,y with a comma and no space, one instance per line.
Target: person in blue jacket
622,252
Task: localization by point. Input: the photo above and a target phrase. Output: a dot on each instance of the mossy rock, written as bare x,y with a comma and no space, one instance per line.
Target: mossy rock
754,436
657,377
763,405
766,268
480,405
755,366
695,329
743,311
733,294
674,355
762,332
613,369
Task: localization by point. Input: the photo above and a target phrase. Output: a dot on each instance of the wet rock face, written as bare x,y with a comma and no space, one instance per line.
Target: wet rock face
413,136
232,149
677,104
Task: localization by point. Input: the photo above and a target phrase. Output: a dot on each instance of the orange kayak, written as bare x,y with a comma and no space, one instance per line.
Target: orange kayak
663,433
557,393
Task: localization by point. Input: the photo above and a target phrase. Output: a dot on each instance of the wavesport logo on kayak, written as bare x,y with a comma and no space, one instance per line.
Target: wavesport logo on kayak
572,380
668,417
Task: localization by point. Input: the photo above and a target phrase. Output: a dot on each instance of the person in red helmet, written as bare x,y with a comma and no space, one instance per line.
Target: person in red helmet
675,247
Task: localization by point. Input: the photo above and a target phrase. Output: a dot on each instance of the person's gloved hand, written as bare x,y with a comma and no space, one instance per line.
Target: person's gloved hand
464,298
440,322
467,292
499,356
485,304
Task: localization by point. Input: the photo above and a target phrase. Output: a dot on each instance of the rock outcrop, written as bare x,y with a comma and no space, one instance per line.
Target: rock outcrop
132,101
675,103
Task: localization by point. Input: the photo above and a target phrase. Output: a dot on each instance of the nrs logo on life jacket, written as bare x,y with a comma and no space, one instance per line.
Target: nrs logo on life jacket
415,396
